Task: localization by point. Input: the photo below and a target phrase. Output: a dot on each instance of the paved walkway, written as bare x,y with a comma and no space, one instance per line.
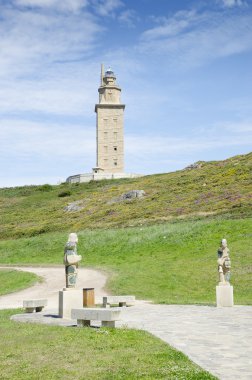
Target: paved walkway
217,339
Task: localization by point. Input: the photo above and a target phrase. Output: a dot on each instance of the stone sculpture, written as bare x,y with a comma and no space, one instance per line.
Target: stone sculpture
224,263
71,260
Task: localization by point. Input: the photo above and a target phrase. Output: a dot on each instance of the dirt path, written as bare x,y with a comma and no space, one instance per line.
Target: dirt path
53,281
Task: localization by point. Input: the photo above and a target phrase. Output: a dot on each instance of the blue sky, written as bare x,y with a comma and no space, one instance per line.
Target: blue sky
184,66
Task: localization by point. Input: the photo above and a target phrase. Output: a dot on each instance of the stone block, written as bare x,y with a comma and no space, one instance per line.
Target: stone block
224,296
34,305
121,300
69,299
108,317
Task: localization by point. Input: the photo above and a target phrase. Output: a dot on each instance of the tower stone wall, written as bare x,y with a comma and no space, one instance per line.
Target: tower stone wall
109,126
109,134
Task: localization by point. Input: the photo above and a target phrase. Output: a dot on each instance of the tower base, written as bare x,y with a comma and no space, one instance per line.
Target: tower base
87,177
224,296
69,299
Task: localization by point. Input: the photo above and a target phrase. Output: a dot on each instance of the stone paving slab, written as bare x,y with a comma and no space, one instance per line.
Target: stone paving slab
217,339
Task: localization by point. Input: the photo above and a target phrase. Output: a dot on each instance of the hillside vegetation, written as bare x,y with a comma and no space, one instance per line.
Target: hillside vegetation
212,189
161,247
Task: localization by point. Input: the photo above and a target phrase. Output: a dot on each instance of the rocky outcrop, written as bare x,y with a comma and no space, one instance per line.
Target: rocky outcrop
74,206
196,165
129,196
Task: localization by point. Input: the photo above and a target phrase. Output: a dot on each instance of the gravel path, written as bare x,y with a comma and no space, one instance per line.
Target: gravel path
54,280
217,339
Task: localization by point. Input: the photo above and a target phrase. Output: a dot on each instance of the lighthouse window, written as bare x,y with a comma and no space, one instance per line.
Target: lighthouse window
115,135
115,148
105,121
115,121
115,162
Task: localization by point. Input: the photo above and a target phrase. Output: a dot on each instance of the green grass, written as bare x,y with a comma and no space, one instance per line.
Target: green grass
12,280
30,351
166,263
217,188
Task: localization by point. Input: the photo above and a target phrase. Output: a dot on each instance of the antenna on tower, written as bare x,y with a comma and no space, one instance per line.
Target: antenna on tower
102,74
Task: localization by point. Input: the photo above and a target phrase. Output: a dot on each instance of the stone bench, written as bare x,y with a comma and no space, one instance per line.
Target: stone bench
107,317
120,300
34,305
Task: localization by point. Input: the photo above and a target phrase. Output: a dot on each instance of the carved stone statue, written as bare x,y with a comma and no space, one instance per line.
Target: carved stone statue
71,260
224,263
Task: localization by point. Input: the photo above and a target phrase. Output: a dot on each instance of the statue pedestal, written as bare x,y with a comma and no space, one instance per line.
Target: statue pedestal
224,296
69,299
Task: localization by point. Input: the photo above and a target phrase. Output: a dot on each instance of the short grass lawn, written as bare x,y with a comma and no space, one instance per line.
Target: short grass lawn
33,352
13,280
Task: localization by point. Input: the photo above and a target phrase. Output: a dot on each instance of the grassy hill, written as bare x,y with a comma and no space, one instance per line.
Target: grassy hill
161,247
212,189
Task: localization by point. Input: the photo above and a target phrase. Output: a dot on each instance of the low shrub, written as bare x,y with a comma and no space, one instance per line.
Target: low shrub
45,187
65,193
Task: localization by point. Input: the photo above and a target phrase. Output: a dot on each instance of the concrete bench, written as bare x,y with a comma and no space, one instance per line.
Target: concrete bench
120,300
107,317
34,305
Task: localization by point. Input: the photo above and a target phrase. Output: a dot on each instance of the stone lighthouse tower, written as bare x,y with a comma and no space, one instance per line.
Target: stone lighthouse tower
109,126
109,134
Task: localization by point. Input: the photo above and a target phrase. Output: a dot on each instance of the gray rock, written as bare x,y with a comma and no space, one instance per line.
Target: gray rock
196,165
130,195
133,194
74,206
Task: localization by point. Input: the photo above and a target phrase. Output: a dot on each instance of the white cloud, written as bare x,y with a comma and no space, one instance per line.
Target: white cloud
25,138
62,5
45,62
191,39
37,152
173,26
67,92
155,154
147,146
232,3
128,17
106,7
237,128
32,40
